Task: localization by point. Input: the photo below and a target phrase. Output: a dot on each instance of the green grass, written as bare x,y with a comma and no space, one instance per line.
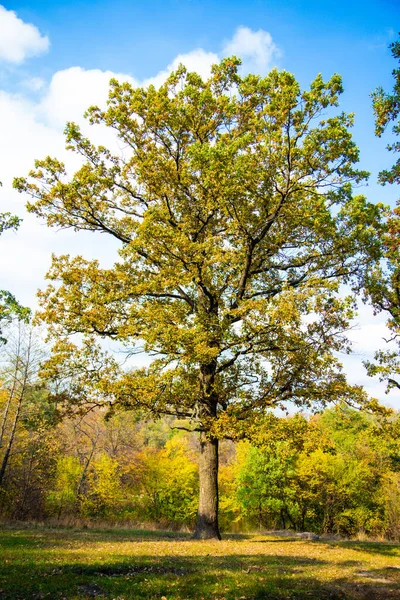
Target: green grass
122,565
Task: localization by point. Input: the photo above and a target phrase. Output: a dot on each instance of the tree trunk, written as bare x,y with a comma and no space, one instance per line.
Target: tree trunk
283,519
207,517
11,440
12,392
23,383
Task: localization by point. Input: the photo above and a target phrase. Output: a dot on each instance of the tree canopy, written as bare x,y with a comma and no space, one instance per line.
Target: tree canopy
234,208
383,282
387,109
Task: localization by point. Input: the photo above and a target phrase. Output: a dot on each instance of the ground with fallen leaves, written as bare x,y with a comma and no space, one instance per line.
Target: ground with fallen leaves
122,565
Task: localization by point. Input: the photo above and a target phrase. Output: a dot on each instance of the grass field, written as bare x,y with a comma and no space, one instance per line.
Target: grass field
122,565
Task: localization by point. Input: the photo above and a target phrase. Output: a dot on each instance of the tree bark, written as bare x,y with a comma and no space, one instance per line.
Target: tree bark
11,440
12,391
23,383
207,517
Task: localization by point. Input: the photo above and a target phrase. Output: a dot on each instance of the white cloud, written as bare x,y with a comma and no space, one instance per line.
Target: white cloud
23,136
256,49
25,255
35,84
19,40
72,91
198,61
28,133
367,336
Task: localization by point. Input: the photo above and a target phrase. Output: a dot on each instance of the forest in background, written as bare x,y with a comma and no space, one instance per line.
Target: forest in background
333,472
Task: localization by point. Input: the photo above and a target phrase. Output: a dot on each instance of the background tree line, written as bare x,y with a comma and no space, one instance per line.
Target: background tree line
334,472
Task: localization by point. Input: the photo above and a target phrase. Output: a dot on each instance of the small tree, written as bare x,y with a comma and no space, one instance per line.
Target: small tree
18,378
234,209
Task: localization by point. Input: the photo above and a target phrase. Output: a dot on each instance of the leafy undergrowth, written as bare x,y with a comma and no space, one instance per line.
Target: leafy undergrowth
122,565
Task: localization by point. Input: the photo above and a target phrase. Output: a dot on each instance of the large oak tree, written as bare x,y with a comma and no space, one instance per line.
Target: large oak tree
234,209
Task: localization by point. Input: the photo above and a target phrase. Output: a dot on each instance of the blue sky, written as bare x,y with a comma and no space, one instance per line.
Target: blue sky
56,59
140,38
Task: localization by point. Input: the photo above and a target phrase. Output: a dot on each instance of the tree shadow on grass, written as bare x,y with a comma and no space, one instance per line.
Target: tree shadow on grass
191,564
382,548
52,537
372,584
246,577
74,565
16,541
